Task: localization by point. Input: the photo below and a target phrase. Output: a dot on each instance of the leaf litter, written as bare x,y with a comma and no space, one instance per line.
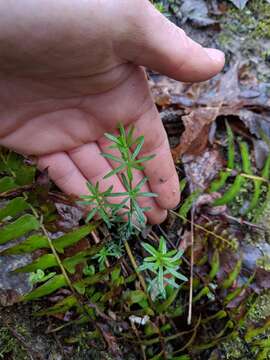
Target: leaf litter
230,252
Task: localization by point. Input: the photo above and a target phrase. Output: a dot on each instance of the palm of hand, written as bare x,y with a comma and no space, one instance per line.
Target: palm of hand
63,88
64,129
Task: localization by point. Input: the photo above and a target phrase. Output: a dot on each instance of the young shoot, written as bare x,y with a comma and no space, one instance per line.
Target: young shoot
109,250
129,149
165,267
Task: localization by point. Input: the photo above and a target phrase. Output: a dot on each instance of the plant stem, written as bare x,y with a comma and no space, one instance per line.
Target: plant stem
135,266
59,262
201,228
189,319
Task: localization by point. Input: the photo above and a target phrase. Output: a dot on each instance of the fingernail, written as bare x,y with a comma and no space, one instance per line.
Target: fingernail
216,55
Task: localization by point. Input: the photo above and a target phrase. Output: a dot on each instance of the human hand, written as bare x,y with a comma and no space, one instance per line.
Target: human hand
71,71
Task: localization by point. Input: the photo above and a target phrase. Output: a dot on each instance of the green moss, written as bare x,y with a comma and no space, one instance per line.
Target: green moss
255,19
241,29
10,348
260,309
264,262
224,39
234,349
243,349
261,11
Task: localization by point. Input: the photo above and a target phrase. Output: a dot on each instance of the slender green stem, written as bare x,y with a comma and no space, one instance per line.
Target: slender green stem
135,266
45,232
201,228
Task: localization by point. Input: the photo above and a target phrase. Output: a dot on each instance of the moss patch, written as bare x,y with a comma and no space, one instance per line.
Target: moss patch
248,346
246,34
10,348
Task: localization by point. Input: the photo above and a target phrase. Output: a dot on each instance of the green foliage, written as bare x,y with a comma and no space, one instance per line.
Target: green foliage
39,276
159,6
98,200
109,250
19,220
14,171
242,179
233,275
239,181
187,204
13,207
164,265
129,161
18,228
215,265
99,285
54,283
223,176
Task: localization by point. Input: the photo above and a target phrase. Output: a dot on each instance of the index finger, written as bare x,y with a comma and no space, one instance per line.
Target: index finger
161,172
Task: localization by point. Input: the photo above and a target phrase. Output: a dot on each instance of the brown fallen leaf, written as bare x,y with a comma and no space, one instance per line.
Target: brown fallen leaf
236,93
195,137
201,170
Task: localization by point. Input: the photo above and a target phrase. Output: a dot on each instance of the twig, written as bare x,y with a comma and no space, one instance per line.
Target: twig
248,176
244,222
139,340
189,319
135,266
97,241
197,226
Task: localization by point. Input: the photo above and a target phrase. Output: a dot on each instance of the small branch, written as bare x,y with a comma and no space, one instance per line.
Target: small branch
247,176
244,222
135,266
201,228
97,241
189,319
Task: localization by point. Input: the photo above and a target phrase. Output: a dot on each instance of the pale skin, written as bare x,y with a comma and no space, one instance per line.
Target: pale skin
70,70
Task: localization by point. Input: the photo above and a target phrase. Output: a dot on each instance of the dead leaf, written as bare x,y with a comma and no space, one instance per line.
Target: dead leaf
195,137
13,285
206,201
236,93
110,340
262,280
201,170
70,215
197,12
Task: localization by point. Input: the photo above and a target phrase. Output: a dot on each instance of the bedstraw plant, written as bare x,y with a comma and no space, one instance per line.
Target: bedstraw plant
164,265
127,215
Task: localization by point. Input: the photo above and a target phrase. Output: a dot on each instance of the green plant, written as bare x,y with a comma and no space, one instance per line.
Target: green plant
40,276
109,250
98,201
164,265
241,180
159,6
128,161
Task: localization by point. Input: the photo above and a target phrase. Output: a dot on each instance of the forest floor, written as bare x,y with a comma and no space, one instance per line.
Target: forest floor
222,227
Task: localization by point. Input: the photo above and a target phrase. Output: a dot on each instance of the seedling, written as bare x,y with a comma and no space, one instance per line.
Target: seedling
110,250
129,207
39,277
164,265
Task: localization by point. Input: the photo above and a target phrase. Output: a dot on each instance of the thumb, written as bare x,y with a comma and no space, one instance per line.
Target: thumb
155,42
